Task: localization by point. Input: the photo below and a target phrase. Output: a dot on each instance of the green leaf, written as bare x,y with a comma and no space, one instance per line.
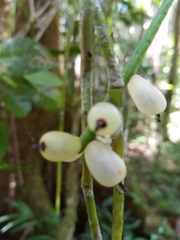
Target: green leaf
44,79
74,51
40,237
7,167
8,80
21,206
4,138
49,99
9,217
20,56
16,100
13,223
24,225
84,235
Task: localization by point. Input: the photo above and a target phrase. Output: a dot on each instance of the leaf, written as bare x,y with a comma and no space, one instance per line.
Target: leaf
21,206
85,235
9,217
24,225
7,167
16,100
18,221
44,79
49,99
8,80
140,238
134,225
74,51
20,56
13,223
40,237
4,138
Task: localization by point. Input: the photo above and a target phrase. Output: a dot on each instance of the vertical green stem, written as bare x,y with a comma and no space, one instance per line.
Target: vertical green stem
87,17
59,164
106,44
58,188
115,97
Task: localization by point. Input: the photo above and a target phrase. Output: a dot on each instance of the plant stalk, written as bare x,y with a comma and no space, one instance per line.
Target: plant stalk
87,16
106,44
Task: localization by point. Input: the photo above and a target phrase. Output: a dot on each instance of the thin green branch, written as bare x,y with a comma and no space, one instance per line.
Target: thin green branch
87,16
145,42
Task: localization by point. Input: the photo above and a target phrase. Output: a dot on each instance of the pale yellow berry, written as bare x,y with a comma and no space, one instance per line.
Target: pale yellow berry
147,98
105,165
58,146
104,118
75,157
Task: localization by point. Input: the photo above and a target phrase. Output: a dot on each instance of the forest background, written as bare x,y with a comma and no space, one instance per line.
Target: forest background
44,39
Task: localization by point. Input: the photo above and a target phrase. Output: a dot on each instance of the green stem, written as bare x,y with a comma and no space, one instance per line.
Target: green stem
68,222
87,17
115,97
106,45
59,164
145,42
58,188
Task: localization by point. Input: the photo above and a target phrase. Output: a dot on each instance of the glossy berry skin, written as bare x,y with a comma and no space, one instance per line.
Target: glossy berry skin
58,146
147,98
104,118
73,158
105,165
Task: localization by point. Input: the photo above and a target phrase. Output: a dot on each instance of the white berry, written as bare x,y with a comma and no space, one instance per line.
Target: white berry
147,98
104,118
105,165
57,146
73,158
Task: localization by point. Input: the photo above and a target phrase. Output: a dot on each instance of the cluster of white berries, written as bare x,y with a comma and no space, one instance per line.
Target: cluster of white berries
104,164
104,118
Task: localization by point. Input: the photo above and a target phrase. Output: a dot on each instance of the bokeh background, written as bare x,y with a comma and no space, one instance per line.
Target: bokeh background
40,91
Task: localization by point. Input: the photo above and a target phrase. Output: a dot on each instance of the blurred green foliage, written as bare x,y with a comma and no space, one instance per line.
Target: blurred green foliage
23,218
25,79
